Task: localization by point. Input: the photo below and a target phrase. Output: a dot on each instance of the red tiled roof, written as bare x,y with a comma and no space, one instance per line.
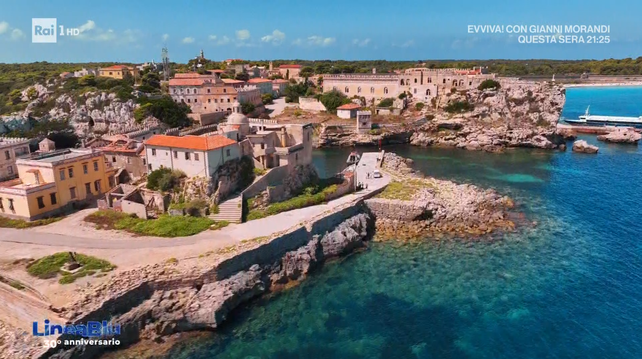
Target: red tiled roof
187,75
290,66
232,81
186,82
217,71
115,67
349,106
199,143
256,81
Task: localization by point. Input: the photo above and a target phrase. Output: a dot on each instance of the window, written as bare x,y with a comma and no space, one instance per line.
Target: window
372,90
415,91
208,91
95,165
209,100
195,156
41,202
71,172
415,80
88,188
175,154
187,156
129,160
358,89
153,152
296,157
72,192
262,146
52,197
7,155
346,90
113,158
444,80
97,185
224,90
228,100
10,169
11,204
85,170
62,175
1,204
188,100
227,152
385,90
195,100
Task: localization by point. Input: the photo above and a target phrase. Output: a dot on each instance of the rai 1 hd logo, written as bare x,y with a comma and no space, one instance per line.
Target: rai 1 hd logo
47,30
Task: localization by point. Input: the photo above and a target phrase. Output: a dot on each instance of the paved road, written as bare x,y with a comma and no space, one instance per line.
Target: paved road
232,233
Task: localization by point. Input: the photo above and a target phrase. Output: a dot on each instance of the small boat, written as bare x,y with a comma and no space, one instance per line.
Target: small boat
593,120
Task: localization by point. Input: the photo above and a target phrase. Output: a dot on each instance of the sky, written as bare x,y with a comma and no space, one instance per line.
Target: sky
136,31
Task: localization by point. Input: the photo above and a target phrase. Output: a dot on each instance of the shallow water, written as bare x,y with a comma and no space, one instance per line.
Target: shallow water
568,287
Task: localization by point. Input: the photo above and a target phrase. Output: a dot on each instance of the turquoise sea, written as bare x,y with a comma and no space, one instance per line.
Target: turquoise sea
567,284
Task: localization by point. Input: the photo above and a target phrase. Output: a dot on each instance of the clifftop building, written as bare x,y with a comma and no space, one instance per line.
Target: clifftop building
10,150
422,83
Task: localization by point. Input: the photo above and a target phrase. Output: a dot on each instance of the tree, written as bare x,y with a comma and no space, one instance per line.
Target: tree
275,77
419,106
287,74
306,72
88,80
151,79
386,102
320,81
292,92
247,108
403,95
267,98
489,84
242,76
333,99
165,109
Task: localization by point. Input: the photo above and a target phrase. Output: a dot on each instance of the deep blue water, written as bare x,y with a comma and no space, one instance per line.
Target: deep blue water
568,286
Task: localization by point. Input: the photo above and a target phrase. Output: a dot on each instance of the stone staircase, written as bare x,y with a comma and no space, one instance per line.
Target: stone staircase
230,210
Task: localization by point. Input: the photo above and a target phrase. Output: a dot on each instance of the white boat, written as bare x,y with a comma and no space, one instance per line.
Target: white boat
593,120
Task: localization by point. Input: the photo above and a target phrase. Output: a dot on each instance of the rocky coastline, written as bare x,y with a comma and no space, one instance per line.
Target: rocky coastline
155,303
519,114
435,207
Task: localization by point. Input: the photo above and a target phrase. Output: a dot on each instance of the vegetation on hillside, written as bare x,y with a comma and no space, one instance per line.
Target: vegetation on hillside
459,107
164,179
50,266
333,99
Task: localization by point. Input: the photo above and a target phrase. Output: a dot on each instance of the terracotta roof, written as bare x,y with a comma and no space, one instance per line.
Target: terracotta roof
186,82
290,66
200,143
256,81
115,67
187,75
349,106
232,81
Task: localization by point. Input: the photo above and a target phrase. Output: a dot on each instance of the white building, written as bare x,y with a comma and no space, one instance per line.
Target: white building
85,72
193,155
348,110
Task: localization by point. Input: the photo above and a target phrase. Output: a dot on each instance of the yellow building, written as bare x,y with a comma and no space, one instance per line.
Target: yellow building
53,183
117,71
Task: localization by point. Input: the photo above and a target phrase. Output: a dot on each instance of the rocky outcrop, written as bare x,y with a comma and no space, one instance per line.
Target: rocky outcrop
621,135
433,205
520,114
16,343
582,146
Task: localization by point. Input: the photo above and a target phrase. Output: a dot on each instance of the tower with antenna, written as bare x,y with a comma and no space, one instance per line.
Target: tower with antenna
165,57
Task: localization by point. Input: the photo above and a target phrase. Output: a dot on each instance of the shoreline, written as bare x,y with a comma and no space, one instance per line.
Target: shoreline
612,84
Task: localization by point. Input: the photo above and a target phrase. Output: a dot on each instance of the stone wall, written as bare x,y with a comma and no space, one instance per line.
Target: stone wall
398,210
311,104
274,177
205,119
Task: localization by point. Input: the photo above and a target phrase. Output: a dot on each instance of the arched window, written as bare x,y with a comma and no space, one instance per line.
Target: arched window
346,89
470,83
444,80
372,90
385,90
358,89
415,91
461,82
224,90
430,80
428,92
454,82
401,83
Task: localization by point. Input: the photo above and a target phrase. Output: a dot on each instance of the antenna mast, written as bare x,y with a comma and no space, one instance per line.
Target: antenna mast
165,57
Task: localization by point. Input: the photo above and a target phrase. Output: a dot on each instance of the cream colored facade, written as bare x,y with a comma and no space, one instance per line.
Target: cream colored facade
422,83
51,183
10,150
117,71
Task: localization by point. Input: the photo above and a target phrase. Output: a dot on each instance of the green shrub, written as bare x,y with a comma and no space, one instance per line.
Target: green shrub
419,106
459,107
164,179
386,102
165,226
489,84
259,171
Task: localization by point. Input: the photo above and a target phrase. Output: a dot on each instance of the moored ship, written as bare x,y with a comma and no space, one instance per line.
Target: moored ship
593,120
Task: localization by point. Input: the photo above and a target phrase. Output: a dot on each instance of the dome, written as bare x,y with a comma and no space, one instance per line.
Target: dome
237,118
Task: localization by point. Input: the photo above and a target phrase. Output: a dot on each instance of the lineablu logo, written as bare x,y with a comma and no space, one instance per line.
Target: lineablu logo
47,30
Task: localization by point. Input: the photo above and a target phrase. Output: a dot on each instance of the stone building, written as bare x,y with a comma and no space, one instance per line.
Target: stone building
127,157
10,150
364,121
264,85
208,93
423,84
118,72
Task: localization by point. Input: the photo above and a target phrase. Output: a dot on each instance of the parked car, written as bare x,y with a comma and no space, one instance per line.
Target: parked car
376,174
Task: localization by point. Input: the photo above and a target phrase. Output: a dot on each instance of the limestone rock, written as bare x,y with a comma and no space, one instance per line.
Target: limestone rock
583,147
621,135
